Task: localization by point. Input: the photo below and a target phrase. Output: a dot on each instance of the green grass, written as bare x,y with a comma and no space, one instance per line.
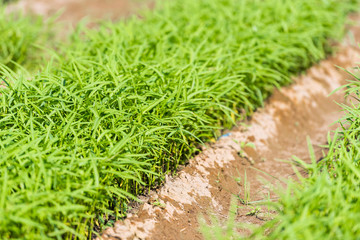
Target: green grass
122,105
19,36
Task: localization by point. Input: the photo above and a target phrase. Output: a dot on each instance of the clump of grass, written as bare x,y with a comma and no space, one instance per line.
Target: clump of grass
125,104
19,36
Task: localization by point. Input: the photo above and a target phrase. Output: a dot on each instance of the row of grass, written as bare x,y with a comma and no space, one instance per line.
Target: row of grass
120,106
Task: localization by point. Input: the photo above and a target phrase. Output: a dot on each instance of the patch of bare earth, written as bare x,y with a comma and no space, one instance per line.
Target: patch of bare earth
279,131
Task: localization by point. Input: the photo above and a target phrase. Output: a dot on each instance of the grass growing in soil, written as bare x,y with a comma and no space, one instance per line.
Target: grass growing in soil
325,204
125,104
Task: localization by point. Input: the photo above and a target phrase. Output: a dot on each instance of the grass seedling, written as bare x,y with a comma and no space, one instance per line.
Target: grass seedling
246,194
218,230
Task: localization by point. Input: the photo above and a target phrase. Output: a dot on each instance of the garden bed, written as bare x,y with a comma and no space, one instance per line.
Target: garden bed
122,105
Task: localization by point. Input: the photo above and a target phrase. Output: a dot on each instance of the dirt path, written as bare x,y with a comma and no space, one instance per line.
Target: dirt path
279,130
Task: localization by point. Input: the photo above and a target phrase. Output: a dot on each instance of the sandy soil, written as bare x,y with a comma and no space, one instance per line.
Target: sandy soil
206,185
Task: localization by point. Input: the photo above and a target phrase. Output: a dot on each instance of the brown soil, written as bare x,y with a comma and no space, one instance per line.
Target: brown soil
75,10
279,131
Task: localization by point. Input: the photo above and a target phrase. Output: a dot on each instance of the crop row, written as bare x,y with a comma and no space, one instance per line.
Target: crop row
119,106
